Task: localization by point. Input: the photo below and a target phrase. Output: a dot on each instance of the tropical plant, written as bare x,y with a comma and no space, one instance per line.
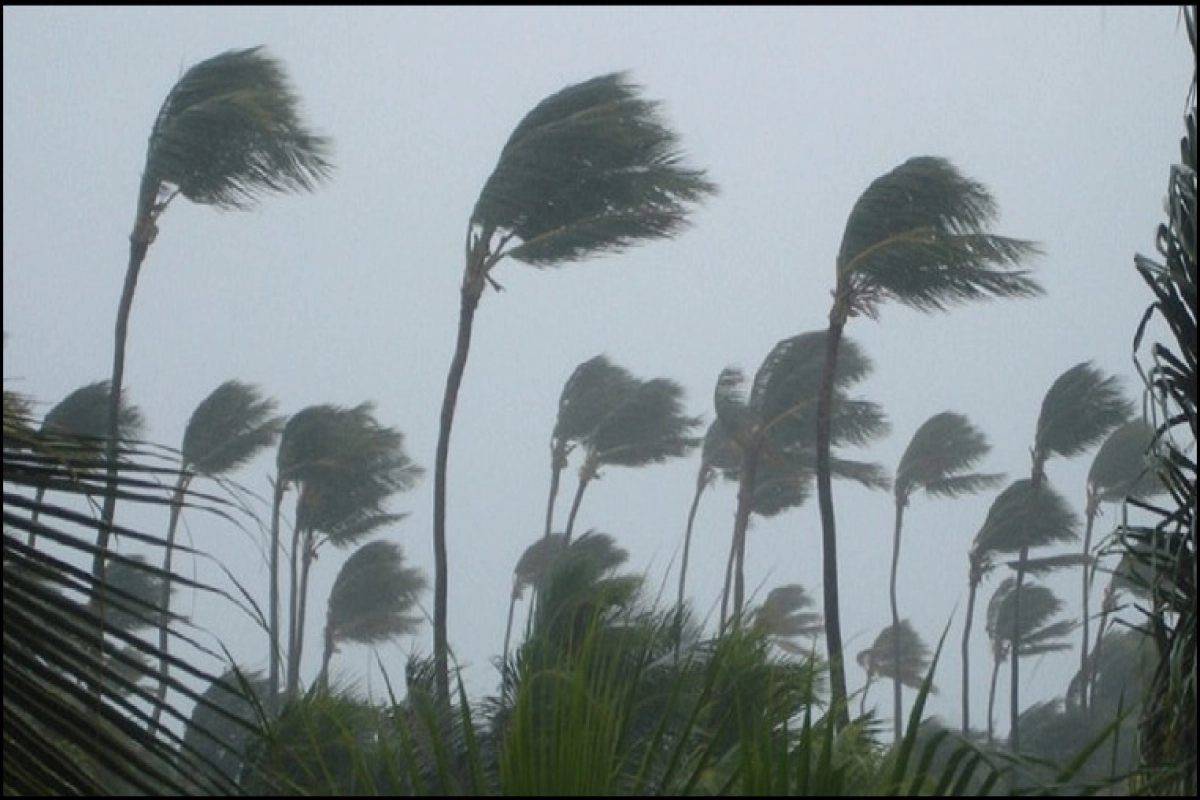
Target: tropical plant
1168,726
1019,518
1034,632
770,432
919,236
228,428
530,571
228,132
784,616
592,169
372,600
76,711
897,653
345,466
1078,411
647,425
1120,469
595,388
83,415
938,460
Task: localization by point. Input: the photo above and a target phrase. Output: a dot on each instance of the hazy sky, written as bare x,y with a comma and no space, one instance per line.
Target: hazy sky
1071,116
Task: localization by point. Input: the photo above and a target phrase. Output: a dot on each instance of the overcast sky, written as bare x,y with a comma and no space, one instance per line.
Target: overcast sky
1071,116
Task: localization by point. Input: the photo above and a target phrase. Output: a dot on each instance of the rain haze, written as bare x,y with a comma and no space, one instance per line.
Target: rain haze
1070,116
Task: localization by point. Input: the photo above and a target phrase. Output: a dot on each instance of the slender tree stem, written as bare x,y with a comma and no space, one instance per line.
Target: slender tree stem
1085,620
741,523
164,599
702,481
897,697
586,473
558,462
833,619
974,578
1014,698
273,603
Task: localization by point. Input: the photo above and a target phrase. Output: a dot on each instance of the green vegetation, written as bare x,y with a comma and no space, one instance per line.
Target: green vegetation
607,691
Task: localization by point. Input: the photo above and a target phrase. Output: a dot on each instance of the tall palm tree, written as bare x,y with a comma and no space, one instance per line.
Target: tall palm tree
83,416
938,460
1019,518
592,169
595,388
372,600
1078,411
771,429
646,426
918,235
228,133
228,428
1121,469
345,466
897,653
1030,629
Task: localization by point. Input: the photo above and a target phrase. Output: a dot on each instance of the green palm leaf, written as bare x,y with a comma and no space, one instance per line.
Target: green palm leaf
1024,515
590,169
945,447
1078,411
230,131
918,236
1123,466
229,428
880,658
84,413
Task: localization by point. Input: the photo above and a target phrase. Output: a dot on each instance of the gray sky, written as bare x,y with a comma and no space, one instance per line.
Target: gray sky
1071,116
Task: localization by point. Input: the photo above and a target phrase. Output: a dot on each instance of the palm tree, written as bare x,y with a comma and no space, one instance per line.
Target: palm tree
897,653
1030,634
918,235
1019,518
646,426
372,600
531,569
228,132
595,388
345,466
785,617
771,430
1078,411
592,169
83,415
1121,469
228,428
937,460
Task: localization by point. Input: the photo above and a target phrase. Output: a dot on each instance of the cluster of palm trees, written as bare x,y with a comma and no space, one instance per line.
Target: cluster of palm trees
592,169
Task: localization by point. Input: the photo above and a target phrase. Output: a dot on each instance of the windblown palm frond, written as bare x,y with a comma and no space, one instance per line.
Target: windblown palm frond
918,236
1078,411
229,427
230,131
1035,630
372,599
75,707
785,616
591,169
84,413
945,447
1026,516
880,658
1124,465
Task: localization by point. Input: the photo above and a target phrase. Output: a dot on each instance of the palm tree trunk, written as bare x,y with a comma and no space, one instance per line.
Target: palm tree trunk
164,599
862,700
558,463
833,619
897,697
139,245
301,609
1014,700
273,603
479,261
586,473
973,579
992,698
702,481
741,522
727,590
512,604
1085,621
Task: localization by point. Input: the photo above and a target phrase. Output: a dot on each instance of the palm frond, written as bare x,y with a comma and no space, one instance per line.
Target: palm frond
945,447
228,428
1035,630
591,169
785,614
373,596
535,562
84,413
880,658
1080,408
594,388
1124,464
919,235
230,132
1025,515
648,427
